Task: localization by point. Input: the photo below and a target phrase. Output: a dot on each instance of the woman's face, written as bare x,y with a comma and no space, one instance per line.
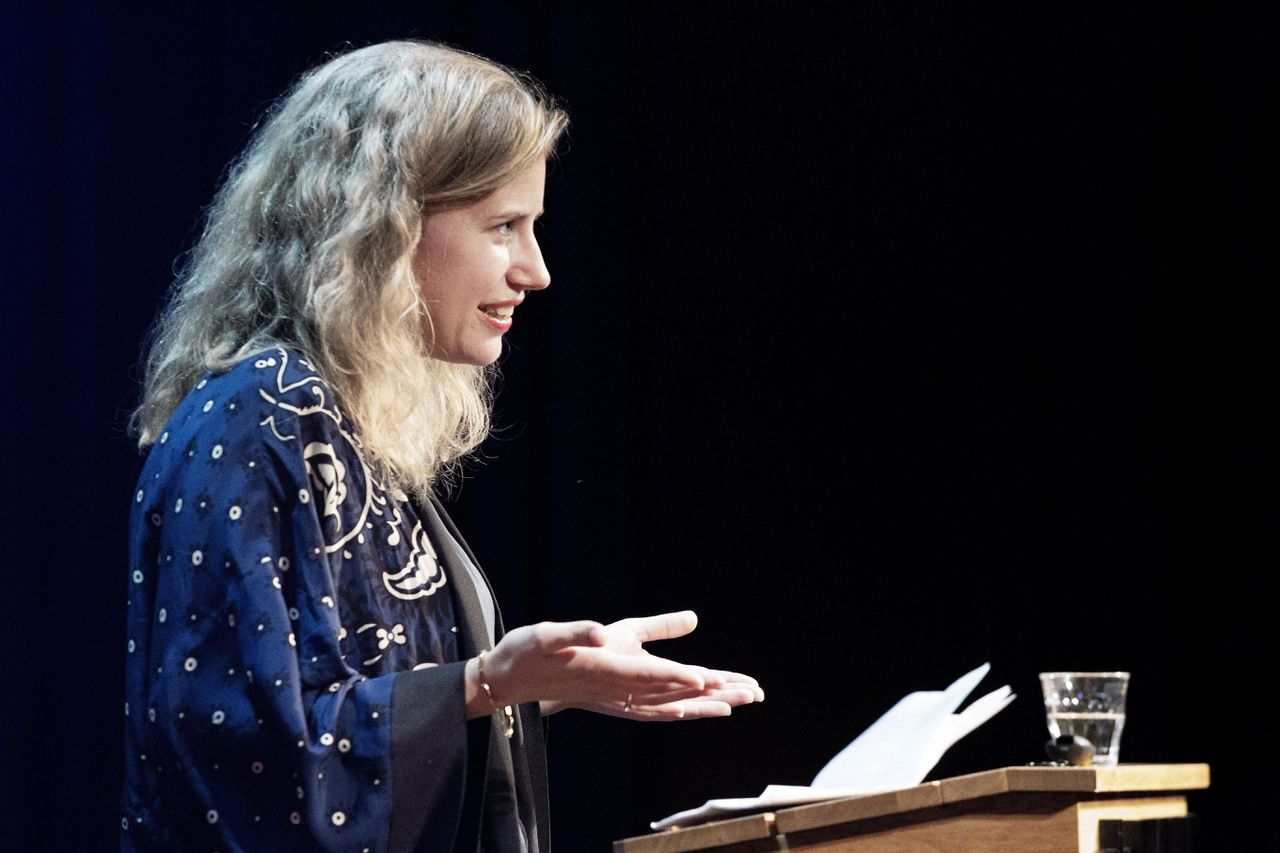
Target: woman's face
474,265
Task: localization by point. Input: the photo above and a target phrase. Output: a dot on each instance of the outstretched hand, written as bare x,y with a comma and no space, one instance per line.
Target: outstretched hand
605,668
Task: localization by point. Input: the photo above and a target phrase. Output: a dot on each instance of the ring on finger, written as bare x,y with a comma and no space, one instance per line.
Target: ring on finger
627,707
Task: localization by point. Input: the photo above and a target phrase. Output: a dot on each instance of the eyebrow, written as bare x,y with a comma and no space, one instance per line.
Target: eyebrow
514,213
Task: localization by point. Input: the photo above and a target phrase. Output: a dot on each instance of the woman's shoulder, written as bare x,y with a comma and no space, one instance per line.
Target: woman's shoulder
275,394
275,376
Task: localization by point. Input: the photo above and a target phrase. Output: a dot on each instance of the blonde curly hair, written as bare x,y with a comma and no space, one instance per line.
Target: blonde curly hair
308,244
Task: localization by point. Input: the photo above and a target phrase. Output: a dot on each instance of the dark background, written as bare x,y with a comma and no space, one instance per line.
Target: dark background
892,340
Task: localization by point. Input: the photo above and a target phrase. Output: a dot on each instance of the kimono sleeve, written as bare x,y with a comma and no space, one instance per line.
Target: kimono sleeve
250,729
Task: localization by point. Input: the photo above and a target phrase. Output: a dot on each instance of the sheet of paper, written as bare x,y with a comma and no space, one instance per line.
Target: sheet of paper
897,751
890,753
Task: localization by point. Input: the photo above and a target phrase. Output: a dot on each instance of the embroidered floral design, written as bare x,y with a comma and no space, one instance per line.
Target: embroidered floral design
422,575
387,637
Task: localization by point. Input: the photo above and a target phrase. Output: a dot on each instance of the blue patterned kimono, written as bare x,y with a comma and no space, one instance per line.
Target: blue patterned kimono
296,640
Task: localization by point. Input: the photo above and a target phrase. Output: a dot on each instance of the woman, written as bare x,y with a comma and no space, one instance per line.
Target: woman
315,660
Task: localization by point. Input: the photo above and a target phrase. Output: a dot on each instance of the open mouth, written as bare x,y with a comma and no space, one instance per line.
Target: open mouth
502,312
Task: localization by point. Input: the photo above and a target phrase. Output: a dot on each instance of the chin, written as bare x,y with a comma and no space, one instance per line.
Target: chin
476,357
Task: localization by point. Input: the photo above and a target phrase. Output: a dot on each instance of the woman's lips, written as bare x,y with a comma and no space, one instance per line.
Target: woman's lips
498,316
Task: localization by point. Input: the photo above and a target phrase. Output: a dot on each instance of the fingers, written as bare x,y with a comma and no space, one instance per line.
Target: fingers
647,673
737,678
690,709
664,626
698,709
737,696
734,696
738,681
663,697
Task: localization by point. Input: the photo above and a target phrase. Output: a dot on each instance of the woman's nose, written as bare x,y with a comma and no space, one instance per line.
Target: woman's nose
529,270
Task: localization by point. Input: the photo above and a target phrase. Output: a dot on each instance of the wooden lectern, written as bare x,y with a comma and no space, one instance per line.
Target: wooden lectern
1013,809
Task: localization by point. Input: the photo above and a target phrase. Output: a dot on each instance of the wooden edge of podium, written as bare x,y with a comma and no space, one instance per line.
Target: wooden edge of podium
1154,777
847,810
1002,780
1123,777
714,834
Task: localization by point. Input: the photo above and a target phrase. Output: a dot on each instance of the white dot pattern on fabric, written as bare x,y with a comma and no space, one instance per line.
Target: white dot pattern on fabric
131,646
138,498
202,383
164,436
211,816
337,511
137,576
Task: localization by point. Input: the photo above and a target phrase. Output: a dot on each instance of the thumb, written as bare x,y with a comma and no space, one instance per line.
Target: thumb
664,626
553,636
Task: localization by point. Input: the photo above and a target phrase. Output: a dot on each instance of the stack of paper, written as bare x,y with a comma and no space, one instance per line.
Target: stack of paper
897,751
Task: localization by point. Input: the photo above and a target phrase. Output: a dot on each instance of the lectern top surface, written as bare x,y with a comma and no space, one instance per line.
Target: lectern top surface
1122,779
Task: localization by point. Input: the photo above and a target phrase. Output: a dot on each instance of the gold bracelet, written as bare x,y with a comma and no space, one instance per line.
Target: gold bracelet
504,714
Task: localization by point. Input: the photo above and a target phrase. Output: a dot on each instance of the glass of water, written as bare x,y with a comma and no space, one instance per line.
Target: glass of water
1088,704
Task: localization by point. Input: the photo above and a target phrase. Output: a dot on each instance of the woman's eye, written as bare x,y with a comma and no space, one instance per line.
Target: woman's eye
507,227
